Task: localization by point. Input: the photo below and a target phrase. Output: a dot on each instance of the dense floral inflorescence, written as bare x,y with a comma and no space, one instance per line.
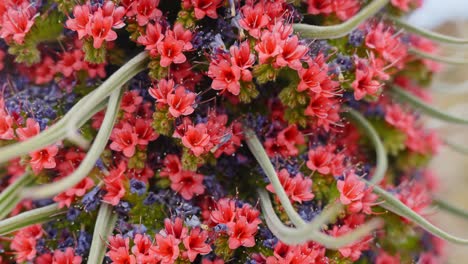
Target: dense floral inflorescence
175,167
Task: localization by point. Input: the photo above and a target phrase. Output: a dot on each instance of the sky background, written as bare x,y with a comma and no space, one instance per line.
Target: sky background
435,12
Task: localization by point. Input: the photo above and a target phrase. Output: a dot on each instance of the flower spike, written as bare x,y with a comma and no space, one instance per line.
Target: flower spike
425,108
427,33
51,189
338,31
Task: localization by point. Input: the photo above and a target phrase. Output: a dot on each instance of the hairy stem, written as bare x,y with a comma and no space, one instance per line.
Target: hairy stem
105,223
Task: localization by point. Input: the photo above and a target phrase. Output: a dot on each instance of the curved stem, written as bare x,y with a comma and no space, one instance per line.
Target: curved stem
396,206
116,80
450,208
456,147
100,142
13,188
260,155
338,31
35,216
380,152
427,33
425,108
105,223
49,136
294,236
10,203
437,58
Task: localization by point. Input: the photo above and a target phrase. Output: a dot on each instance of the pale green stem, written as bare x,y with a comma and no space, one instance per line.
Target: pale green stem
260,155
103,228
450,208
426,108
456,147
294,236
49,136
100,142
380,152
13,188
116,80
35,216
338,31
10,203
396,206
427,33
437,58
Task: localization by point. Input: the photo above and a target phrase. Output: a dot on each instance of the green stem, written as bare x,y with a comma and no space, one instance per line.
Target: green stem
100,142
380,152
13,188
396,206
51,135
426,108
260,155
438,58
450,208
427,33
338,31
105,223
10,203
456,147
116,80
35,216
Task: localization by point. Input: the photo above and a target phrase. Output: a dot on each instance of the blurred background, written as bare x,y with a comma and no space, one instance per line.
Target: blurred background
450,93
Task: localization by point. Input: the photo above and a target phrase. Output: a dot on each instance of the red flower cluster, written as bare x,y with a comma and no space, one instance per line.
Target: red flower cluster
143,11
24,243
343,9
173,242
203,8
323,160
355,194
285,143
97,24
16,19
241,223
180,100
304,253
168,47
186,183
298,188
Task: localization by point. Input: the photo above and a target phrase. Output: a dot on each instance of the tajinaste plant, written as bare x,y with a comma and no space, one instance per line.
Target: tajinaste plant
196,131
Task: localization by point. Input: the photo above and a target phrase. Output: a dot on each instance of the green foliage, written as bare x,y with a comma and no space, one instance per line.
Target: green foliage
190,161
248,91
392,138
163,123
92,54
222,248
156,71
264,73
138,160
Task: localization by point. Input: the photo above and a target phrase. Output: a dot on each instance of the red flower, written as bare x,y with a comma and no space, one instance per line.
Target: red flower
241,233
124,139
187,184
225,76
385,258
405,5
195,244
254,19
170,50
80,22
345,9
113,185
172,166
312,78
353,251
316,7
225,211
100,28
206,7
24,247
67,197
162,90
16,24
70,63
320,160
364,83
130,101
181,102
151,38
6,123
175,228
167,248
109,10
44,158
298,189
144,131
145,10
179,33
241,57
67,257
291,54
118,250
352,191
387,44
44,72
197,139
141,249
269,46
